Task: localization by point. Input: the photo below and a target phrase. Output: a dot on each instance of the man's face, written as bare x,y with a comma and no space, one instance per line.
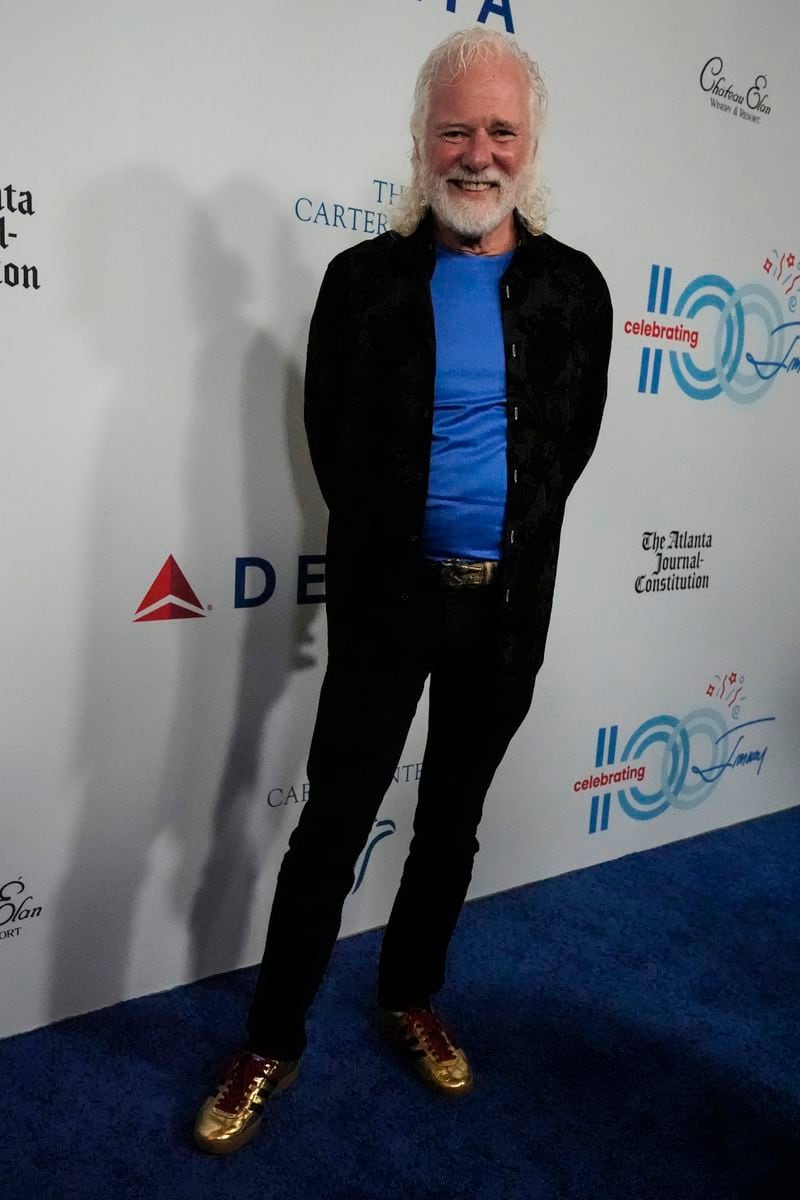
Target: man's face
479,148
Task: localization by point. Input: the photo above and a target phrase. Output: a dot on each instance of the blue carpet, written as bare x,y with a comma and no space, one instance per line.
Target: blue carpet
633,1028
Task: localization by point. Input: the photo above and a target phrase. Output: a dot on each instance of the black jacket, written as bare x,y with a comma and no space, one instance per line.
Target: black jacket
369,411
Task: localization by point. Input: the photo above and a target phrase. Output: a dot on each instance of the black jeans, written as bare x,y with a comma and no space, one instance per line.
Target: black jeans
369,695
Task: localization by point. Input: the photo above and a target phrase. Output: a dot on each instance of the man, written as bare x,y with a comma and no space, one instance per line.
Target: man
455,382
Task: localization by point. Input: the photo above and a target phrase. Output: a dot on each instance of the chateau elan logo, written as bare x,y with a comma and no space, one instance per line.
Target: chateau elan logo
15,908
726,97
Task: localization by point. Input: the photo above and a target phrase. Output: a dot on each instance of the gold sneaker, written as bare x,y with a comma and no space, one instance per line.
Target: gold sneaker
232,1115
425,1043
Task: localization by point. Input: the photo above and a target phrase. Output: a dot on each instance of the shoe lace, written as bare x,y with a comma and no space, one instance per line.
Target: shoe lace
243,1071
431,1033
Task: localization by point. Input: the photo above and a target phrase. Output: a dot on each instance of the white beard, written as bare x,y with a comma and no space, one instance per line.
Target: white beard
474,216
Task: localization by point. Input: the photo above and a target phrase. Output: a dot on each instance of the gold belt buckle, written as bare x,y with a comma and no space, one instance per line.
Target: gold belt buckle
457,572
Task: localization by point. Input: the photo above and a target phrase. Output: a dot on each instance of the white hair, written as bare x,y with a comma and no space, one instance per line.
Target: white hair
456,54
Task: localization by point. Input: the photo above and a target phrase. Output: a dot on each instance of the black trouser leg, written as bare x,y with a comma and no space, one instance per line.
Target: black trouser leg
365,710
475,709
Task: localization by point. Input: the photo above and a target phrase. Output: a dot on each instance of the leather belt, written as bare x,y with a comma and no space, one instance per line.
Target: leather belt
463,572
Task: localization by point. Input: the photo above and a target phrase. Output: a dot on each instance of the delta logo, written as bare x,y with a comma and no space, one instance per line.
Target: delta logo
718,339
170,597
676,763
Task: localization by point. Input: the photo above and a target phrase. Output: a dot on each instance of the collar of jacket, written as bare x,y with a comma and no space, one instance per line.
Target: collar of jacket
419,247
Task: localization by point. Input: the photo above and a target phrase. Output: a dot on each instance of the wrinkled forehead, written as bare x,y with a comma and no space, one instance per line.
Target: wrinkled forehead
497,89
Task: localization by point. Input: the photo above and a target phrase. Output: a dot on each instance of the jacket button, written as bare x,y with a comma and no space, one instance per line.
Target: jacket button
412,537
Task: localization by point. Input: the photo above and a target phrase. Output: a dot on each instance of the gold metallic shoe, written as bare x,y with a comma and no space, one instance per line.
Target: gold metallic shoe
232,1115
425,1043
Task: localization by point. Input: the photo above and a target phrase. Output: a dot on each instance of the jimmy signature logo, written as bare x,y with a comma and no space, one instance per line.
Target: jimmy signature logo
669,762
734,760
766,369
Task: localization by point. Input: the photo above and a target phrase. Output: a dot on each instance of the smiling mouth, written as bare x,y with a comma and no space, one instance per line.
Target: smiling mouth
470,185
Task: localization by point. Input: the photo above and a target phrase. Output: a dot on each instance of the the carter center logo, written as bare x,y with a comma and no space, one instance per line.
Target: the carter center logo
674,762
718,338
380,830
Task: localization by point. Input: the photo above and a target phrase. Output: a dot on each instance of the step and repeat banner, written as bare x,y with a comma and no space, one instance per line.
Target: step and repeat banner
173,181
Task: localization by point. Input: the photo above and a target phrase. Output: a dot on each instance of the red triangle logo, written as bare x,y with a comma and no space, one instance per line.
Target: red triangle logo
170,585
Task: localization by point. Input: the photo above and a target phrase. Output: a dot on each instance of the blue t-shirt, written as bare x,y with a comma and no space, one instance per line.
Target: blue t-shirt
468,482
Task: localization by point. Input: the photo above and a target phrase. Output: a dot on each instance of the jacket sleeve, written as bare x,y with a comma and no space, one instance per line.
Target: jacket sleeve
325,376
587,423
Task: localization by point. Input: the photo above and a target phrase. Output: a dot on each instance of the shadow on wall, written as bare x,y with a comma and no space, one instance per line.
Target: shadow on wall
199,452
275,465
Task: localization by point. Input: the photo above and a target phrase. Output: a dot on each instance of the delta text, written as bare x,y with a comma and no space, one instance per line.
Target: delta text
486,9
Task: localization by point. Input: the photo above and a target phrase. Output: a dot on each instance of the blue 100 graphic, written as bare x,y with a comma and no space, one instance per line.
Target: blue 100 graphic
671,763
748,344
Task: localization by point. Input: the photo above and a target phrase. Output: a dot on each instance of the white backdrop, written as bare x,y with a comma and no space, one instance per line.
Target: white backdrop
169,190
